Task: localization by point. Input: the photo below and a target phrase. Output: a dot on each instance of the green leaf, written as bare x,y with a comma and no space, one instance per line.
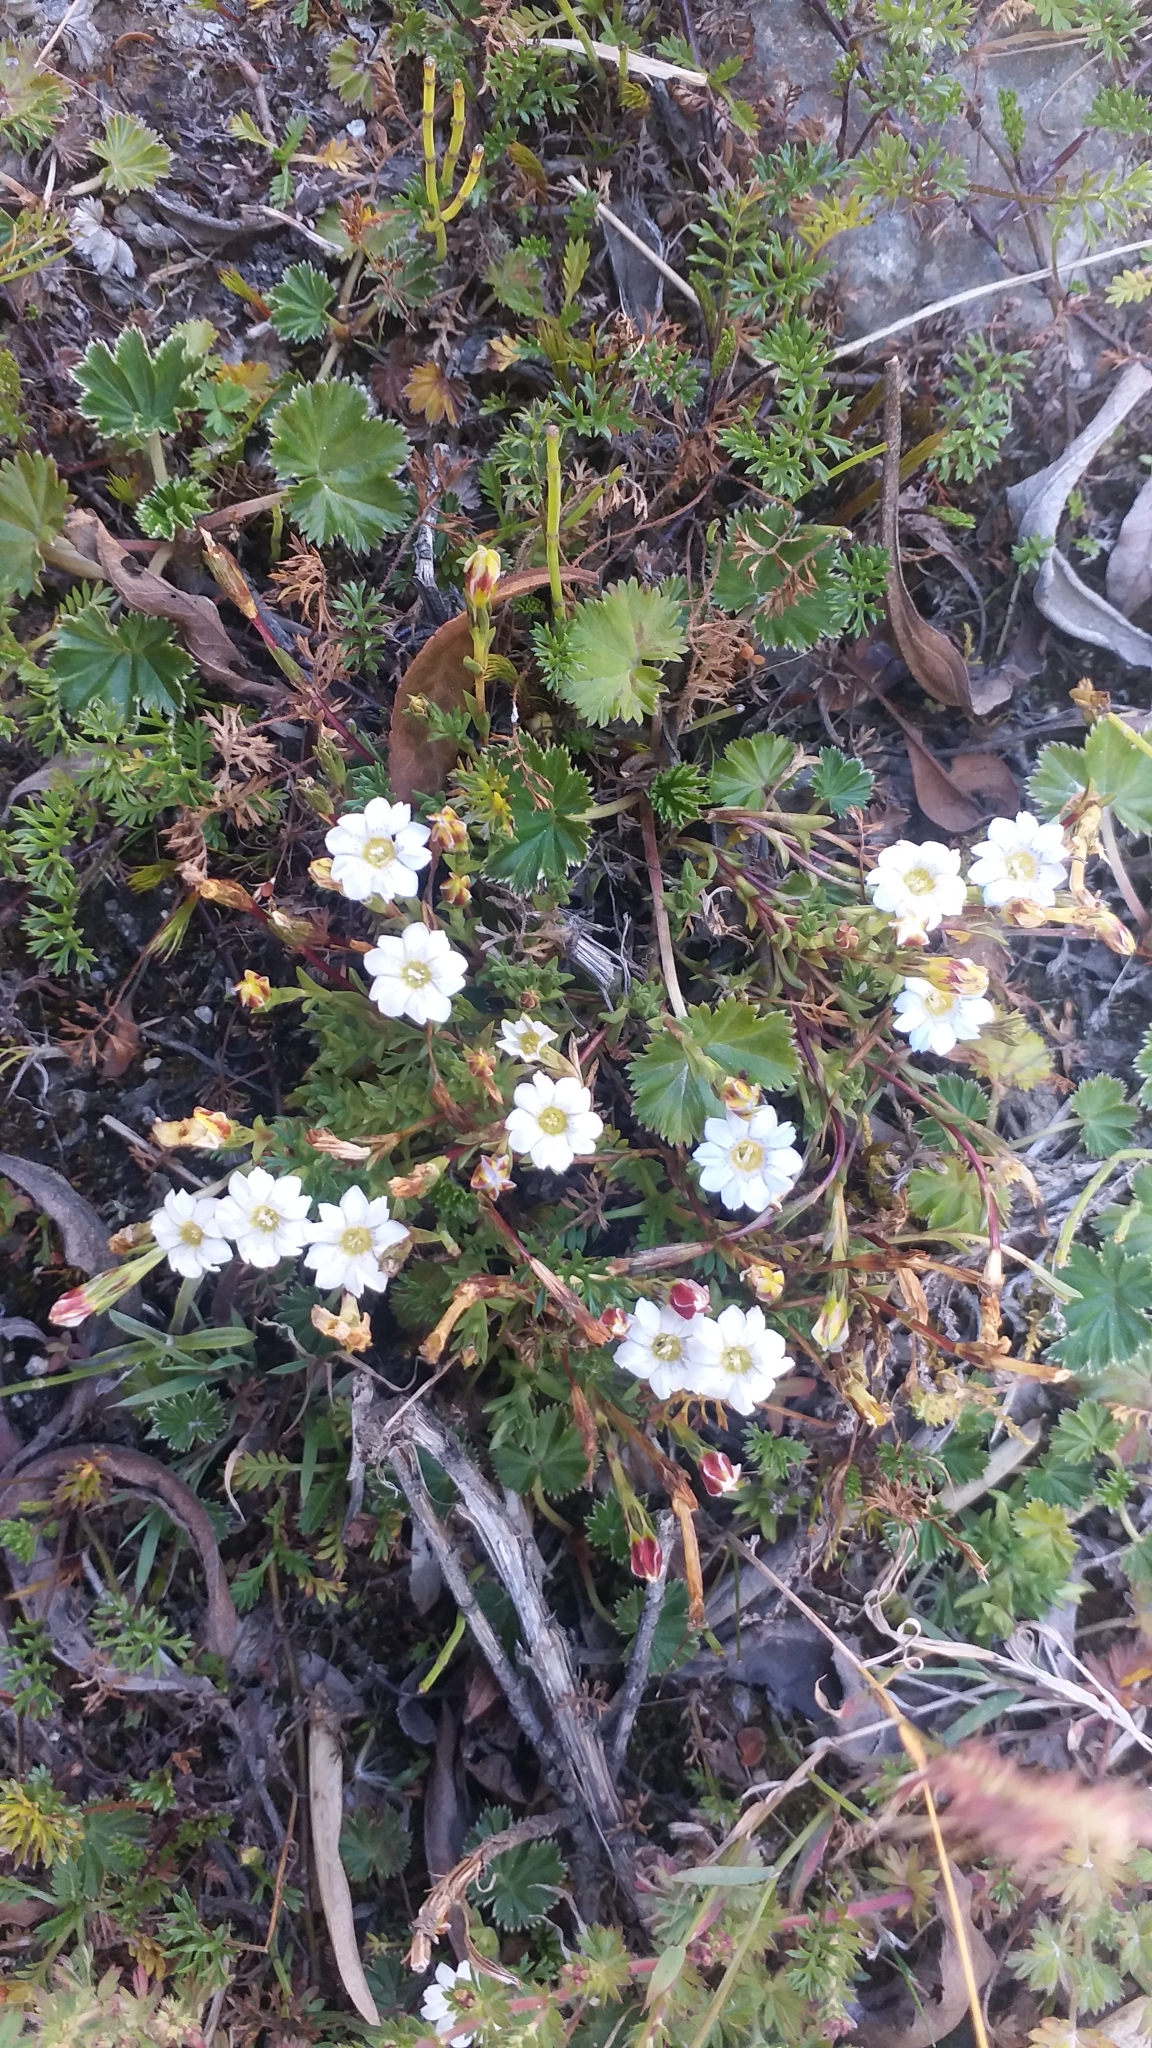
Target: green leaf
674,1640
135,157
298,305
947,1196
678,794
518,283
1108,1323
551,1455
547,838
1061,774
749,770
1143,1066
965,1096
1085,1432
521,1887
133,393
842,783
374,1845
32,96
132,665
341,462
173,507
1130,1223
1121,772
610,649
1105,1115
787,577
350,75
32,505
676,1078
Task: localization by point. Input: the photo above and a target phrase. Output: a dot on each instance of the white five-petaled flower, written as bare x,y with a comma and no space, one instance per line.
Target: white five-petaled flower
935,1019
748,1161
188,1229
1021,861
918,886
553,1122
658,1348
416,975
378,851
267,1217
345,1247
434,2005
737,1359
525,1039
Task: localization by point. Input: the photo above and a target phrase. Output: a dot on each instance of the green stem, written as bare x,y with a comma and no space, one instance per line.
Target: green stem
582,36
186,1295
446,1655
156,458
552,522
612,810
1079,1207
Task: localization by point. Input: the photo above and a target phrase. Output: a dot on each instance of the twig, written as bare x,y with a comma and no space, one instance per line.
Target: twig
449,1890
605,213
676,1001
979,291
153,1153
1120,873
289,220
47,48
627,1702
644,67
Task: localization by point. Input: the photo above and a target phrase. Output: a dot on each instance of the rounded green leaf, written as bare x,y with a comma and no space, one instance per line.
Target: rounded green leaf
339,461
132,664
32,506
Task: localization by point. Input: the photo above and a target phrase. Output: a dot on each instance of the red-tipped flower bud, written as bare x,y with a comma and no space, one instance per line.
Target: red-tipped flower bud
646,1558
718,1473
689,1299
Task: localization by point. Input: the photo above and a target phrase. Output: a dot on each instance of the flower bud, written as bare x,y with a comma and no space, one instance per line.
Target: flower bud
338,1148
214,889
831,1325
646,1558
689,1299
103,1290
956,976
449,833
615,1320
909,931
742,1097
766,1282
481,575
412,1187
845,938
491,1176
320,873
456,892
350,1330
252,990
718,1473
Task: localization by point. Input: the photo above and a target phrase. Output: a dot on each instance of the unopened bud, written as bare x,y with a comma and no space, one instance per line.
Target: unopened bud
481,575
956,976
456,892
103,1290
409,1187
845,938
491,1176
213,889
338,1148
252,990
689,1299
766,1282
718,1473
831,1325
449,833
295,931
742,1097
615,1320
320,872
646,1558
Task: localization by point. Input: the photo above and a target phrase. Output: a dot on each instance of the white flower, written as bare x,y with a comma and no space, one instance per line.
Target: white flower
417,975
748,1160
736,1359
266,1217
657,1349
188,1228
553,1121
917,885
345,1246
434,2005
378,851
935,1019
1021,861
525,1040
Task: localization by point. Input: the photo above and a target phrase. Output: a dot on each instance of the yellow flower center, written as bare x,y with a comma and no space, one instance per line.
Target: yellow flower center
667,1348
938,1002
356,1240
1021,866
746,1155
191,1233
735,1359
417,974
919,881
378,852
530,1040
552,1122
265,1218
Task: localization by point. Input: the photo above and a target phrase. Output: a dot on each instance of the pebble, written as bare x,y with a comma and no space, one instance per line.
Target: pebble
204,1015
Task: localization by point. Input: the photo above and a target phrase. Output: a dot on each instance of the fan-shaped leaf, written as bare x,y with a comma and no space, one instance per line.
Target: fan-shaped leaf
132,664
134,156
340,462
32,506
298,306
133,393
549,833
607,656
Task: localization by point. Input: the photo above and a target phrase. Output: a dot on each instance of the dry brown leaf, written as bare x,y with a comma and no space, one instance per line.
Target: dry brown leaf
1128,578
84,1236
937,665
438,397
326,1809
438,674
